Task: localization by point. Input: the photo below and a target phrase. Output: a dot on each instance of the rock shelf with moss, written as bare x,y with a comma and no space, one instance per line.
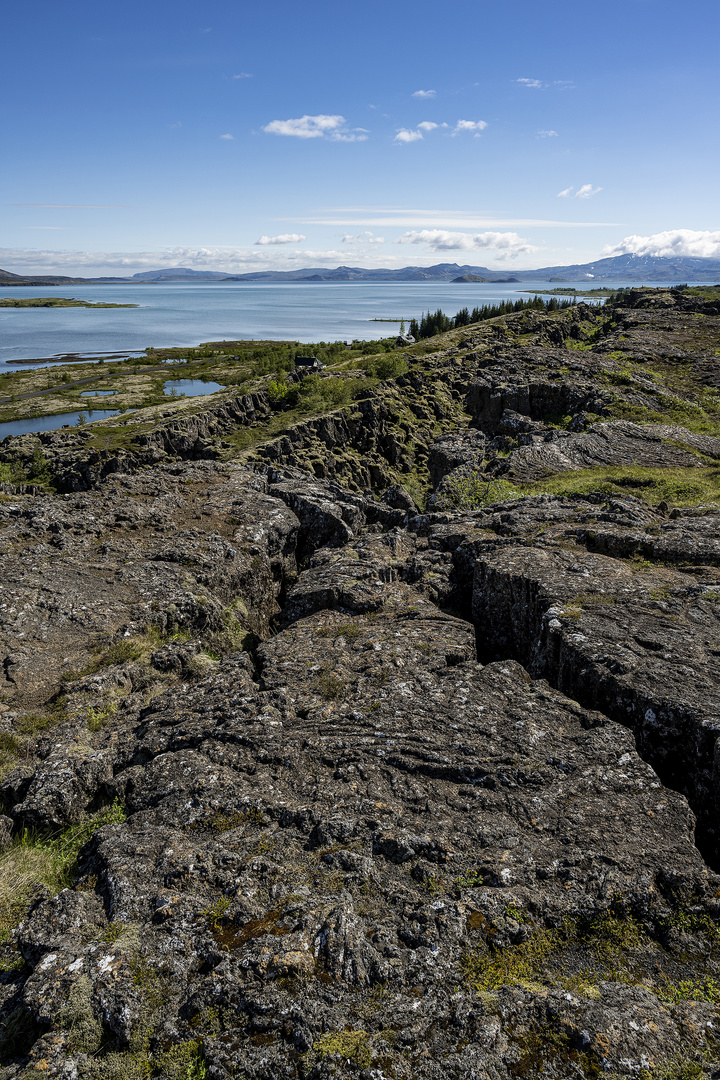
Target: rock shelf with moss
366,726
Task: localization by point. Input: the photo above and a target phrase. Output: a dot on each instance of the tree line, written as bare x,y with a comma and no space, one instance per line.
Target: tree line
437,322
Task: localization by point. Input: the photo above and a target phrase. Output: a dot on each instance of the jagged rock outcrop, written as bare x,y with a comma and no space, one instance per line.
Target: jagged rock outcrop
357,789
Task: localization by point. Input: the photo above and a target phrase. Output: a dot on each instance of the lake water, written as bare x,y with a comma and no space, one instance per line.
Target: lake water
186,315
98,393
190,387
52,423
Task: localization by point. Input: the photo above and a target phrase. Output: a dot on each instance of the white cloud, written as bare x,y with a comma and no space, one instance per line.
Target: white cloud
403,135
476,126
363,238
425,93
538,84
674,242
283,238
408,135
547,134
442,240
354,217
321,126
584,192
587,191
75,206
123,263
227,135
242,75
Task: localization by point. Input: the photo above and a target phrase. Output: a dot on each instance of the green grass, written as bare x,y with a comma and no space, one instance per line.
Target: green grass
35,860
703,419
676,486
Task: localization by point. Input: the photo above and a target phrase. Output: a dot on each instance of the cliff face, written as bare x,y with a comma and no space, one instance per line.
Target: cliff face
314,783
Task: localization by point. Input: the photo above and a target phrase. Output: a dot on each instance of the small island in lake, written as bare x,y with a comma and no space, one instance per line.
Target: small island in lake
55,301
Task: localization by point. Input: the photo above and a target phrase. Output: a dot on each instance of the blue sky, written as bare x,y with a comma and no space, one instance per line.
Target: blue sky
279,135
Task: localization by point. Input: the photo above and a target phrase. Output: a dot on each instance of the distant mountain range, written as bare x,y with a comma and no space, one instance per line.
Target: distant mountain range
619,268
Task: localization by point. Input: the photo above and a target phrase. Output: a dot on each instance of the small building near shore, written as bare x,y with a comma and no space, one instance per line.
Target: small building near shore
308,363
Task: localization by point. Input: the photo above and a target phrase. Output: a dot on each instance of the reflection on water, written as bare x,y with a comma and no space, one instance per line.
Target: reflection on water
190,387
98,393
51,423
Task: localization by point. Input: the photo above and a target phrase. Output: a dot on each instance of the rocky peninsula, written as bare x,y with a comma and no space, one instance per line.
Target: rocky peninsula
55,301
374,733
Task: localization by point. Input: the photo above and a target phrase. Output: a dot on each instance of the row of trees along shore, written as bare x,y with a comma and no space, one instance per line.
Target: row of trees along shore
438,322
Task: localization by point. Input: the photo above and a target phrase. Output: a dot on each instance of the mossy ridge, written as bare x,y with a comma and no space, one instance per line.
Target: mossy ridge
585,950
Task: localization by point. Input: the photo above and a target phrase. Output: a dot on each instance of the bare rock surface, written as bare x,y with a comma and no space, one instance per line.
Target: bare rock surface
314,783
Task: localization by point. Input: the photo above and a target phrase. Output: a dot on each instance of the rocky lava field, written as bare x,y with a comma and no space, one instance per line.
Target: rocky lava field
369,749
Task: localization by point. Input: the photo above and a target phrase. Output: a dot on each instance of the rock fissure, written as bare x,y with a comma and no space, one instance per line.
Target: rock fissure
351,786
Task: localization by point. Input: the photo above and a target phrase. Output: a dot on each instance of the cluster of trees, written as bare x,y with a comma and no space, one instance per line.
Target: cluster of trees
313,392
438,322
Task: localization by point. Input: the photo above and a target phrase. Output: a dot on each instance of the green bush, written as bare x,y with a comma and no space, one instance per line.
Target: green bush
386,367
475,491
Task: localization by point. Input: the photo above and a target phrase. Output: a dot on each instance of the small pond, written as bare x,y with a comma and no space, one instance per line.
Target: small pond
51,423
98,393
190,387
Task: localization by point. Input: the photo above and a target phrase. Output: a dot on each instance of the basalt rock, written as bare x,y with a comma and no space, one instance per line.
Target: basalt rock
395,794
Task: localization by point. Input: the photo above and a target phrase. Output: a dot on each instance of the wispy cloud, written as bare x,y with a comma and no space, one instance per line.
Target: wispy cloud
547,134
231,259
425,93
74,206
675,242
585,192
322,126
283,238
474,126
363,238
441,240
538,84
355,217
242,75
227,135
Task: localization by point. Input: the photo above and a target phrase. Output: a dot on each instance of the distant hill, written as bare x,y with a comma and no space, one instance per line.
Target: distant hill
631,268
179,273
652,268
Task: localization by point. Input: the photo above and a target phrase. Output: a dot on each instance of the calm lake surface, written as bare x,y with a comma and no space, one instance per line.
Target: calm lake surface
52,423
185,315
190,387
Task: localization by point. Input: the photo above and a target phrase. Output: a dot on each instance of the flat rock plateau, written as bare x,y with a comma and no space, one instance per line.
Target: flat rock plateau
382,743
